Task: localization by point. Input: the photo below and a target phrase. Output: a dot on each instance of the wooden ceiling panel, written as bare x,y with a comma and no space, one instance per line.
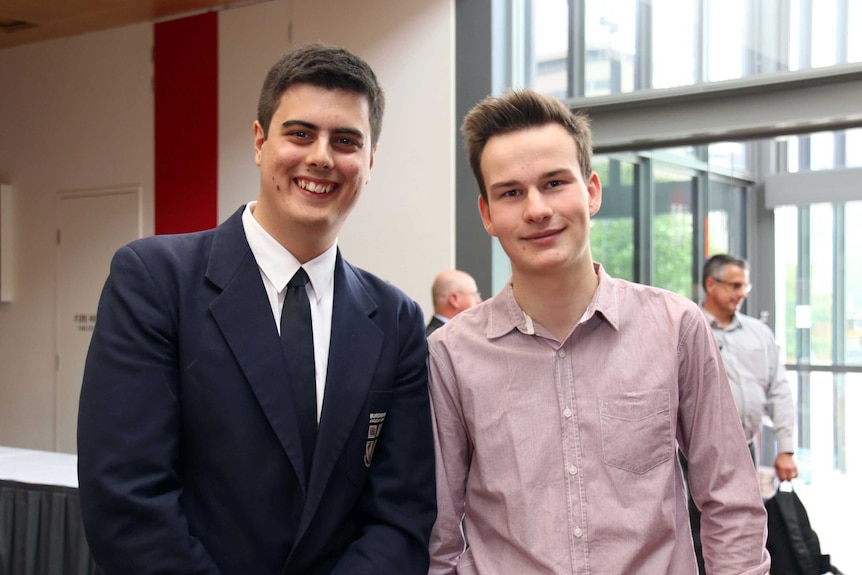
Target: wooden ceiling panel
25,21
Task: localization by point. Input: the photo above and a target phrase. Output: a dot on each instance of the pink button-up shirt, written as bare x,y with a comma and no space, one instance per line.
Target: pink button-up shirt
561,456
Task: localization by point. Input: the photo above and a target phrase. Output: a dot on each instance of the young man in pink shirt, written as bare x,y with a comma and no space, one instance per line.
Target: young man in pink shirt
560,402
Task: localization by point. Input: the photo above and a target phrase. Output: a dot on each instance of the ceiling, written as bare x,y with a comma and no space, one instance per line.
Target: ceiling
25,21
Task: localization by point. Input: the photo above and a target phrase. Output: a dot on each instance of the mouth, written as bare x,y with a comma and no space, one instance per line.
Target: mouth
319,188
544,235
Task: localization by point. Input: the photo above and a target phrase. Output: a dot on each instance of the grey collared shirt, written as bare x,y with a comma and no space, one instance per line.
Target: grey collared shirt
757,377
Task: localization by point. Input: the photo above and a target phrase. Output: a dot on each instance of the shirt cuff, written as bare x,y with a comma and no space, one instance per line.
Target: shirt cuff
785,445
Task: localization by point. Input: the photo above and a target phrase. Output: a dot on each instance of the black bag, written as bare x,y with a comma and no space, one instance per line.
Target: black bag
792,543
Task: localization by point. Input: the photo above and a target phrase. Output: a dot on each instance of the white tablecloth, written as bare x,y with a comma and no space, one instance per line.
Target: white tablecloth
38,467
41,532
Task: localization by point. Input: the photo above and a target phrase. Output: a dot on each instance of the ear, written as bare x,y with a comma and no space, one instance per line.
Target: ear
371,162
259,139
708,284
485,212
453,299
594,189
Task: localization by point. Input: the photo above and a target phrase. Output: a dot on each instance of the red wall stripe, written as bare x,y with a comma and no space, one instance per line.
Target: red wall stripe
185,56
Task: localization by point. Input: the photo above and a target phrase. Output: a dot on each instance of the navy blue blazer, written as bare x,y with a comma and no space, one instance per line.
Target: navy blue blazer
189,458
433,325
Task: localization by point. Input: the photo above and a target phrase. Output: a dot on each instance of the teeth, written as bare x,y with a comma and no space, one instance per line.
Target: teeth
315,188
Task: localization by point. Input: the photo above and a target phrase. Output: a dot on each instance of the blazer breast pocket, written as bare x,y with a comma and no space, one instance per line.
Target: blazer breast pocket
368,435
636,429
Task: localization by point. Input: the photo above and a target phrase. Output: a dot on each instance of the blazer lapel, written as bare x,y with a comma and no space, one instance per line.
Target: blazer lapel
355,345
244,316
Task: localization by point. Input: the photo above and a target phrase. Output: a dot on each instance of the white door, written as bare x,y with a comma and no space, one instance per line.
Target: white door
90,228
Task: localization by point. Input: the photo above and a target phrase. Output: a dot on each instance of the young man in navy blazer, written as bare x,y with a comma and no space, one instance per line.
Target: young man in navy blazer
190,459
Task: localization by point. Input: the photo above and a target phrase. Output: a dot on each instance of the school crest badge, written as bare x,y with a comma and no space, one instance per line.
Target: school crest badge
375,425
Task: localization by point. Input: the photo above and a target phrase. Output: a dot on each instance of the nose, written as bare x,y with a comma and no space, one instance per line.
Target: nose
320,155
536,208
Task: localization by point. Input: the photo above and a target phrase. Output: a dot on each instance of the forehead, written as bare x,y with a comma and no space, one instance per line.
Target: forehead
518,154
327,107
731,271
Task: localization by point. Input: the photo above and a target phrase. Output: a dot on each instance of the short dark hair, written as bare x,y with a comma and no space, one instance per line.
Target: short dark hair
714,266
327,67
518,110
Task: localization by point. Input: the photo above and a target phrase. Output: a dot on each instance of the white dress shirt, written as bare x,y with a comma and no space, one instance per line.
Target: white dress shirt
277,266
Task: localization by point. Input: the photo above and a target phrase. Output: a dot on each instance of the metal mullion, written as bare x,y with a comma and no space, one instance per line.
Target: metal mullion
839,307
577,53
643,45
643,222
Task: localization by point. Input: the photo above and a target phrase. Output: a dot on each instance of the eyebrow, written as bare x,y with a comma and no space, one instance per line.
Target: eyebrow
546,175
310,126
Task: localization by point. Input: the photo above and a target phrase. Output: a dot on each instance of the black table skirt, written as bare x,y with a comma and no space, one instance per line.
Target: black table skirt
41,531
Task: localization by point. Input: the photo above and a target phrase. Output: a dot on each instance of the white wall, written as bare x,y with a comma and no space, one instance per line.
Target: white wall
74,114
403,227
77,113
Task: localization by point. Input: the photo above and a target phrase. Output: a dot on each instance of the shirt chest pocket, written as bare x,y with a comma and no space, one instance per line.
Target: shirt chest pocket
636,430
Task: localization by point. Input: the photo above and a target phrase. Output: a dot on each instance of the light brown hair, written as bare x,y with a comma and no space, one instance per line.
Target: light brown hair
518,110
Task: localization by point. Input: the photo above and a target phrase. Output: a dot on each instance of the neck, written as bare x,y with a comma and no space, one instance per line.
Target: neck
556,302
721,316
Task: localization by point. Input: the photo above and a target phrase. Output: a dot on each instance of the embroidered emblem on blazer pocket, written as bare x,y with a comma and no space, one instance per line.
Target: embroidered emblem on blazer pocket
375,426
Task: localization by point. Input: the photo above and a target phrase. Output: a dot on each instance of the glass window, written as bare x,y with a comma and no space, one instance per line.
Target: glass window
612,232
853,284
725,41
824,23
674,44
610,47
641,45
728,157
818,151
646,229
786,263
726,218
823,151
854,146
673,229
821,283
809,304
681,154
551,46
794,47
854,23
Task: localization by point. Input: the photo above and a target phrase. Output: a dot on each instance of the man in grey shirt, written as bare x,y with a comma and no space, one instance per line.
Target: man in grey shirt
750,354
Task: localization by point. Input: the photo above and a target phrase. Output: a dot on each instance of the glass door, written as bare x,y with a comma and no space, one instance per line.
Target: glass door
818,324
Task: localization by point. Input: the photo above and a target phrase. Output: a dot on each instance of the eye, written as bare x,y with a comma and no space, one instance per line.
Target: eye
550,184
510,194
347,142
299,134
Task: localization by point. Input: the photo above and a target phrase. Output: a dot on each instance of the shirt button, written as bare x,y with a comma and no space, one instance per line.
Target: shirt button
578,532
562,353
573,470
567,412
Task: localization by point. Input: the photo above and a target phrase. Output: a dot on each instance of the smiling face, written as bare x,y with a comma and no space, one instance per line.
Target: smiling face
539,204
314,162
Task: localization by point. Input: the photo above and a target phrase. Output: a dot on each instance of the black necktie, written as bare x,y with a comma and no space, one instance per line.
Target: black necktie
298,343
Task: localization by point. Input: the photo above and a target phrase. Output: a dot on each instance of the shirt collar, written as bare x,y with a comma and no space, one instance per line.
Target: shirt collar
505,314
279,265
713,323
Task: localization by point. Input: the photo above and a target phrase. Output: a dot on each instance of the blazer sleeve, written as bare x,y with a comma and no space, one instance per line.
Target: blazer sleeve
129,431
399,500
